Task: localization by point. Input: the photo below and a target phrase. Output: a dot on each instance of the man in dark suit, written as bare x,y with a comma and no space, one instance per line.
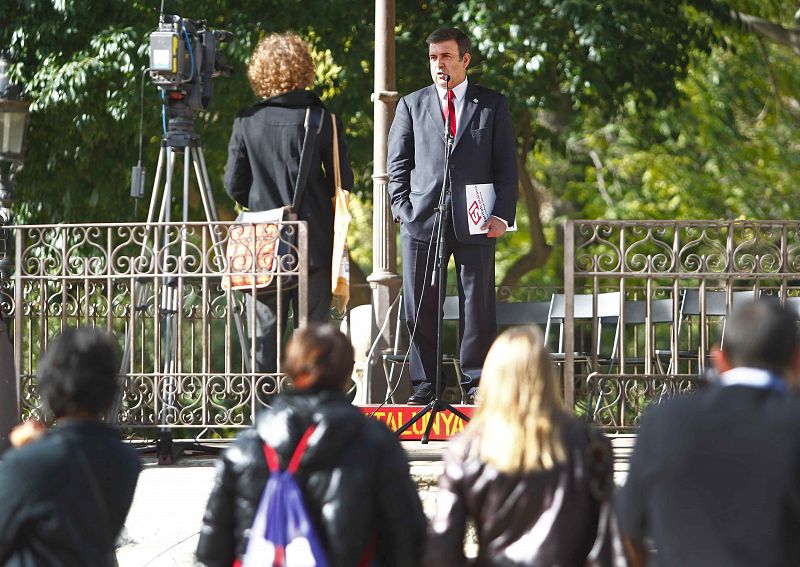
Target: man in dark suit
483,152
715,477
263,162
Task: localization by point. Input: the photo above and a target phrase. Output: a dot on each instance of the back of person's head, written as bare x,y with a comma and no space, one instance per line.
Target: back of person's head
78,374
281,62
517,426
451,34
319,356
762,334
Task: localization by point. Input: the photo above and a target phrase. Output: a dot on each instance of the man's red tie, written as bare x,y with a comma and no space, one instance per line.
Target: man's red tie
451,110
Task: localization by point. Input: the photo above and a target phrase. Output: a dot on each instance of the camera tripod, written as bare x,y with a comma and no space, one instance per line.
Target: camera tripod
180,138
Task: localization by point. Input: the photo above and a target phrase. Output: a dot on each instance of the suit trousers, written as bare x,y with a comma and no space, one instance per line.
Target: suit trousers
476,293
262,317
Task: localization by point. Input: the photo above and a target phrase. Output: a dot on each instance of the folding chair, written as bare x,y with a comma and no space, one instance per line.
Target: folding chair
606,312
398,356
510,314
635,314
695,314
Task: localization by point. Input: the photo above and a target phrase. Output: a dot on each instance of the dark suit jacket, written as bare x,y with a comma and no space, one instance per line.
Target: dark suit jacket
264,157
483,153
48,512
715,479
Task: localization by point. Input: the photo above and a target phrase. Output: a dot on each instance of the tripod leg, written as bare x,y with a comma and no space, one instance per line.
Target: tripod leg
137,290
201,174
415,419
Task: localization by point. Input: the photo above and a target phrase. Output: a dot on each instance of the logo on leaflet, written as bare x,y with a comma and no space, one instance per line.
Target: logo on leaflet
475,212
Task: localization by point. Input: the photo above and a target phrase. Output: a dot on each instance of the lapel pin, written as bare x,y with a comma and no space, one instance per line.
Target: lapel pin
474,100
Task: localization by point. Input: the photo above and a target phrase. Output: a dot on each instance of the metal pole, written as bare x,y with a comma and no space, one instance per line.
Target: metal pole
384,280
9,398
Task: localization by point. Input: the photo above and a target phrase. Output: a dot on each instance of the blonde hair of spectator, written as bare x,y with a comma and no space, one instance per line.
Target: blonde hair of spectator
518,424
281,62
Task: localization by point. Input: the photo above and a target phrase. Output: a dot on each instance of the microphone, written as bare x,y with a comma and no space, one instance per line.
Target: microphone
447,134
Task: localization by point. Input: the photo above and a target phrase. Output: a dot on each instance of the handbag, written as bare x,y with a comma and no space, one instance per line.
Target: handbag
340,261
608,549
260,245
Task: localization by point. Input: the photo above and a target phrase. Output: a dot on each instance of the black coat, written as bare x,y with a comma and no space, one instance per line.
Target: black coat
354,478
545,517
715,479
264,158
49,515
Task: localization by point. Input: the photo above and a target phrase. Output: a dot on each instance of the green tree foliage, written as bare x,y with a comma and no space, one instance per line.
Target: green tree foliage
622,108
82,63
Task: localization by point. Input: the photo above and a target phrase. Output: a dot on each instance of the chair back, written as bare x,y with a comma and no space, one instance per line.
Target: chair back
522,313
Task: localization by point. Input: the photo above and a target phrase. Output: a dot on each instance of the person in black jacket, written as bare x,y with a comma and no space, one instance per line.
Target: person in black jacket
715,476
354,476
534,479
263,162
64,497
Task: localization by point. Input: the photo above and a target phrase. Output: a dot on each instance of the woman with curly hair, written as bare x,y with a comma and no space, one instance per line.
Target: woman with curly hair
532,477
263,163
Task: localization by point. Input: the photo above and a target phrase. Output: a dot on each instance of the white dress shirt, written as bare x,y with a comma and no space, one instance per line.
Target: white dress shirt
460,92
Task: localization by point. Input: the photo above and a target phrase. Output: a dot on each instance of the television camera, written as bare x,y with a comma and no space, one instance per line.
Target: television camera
184,58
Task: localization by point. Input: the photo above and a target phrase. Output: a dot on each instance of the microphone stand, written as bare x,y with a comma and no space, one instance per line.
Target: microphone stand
438,279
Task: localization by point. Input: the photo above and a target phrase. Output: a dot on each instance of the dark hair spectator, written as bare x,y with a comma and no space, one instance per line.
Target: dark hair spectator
354,475
713,474
78,374
762,334
65,494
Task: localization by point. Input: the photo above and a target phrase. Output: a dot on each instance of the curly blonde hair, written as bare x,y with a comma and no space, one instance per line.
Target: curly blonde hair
281,62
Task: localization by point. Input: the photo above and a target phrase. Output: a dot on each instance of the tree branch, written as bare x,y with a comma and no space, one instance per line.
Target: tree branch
601,180
772,82
771,31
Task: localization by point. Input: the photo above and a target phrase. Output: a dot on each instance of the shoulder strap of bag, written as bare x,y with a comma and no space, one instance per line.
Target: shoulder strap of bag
337,170
97,496
313,126
272,456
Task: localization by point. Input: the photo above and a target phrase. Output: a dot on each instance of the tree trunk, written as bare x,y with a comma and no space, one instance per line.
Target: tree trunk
530,192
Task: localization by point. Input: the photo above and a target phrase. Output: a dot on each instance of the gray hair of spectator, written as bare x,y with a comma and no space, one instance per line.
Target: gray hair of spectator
79,372
762,334
446,34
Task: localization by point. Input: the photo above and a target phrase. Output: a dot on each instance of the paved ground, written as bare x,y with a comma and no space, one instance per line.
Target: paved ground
164,522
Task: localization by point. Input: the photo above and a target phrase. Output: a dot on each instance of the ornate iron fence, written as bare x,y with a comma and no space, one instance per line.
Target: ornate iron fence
187,341
646,300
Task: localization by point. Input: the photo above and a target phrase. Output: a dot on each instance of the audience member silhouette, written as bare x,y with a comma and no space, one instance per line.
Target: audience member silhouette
65,493
715,477
534,479
354,475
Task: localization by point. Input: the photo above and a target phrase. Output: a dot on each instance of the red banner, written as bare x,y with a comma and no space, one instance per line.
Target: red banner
444,426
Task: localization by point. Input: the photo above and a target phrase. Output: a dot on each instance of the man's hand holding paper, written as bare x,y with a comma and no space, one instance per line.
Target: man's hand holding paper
480,201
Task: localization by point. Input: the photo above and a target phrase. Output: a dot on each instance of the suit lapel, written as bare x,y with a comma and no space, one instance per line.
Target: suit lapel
434,108
467,112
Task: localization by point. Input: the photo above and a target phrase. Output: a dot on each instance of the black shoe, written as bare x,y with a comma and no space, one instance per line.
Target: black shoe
423,394
471,396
